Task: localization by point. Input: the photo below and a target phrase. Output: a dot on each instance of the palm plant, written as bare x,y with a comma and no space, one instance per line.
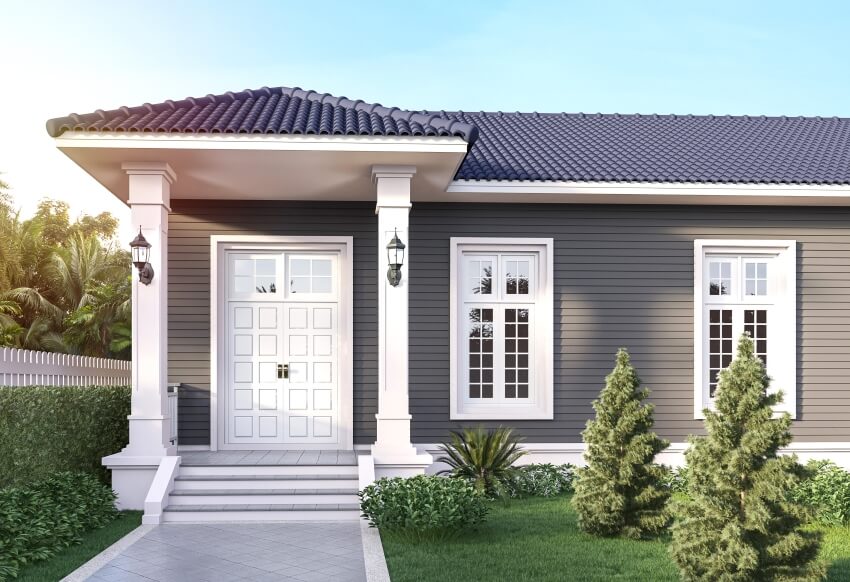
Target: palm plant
483,457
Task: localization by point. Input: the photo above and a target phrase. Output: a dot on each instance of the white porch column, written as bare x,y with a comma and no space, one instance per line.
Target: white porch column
134,467
393,453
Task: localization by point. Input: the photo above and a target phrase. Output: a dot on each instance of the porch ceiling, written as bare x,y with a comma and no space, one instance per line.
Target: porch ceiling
268,167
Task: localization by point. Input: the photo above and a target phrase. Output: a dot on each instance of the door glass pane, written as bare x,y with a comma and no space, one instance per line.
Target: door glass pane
243,267
308,275
255,275
322,267
298,267
322,285
265,267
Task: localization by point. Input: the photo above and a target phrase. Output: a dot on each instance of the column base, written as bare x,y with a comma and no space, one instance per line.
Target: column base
398,463
131,478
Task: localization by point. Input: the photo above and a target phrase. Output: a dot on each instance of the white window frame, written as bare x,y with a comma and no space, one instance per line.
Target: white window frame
541,373
782,360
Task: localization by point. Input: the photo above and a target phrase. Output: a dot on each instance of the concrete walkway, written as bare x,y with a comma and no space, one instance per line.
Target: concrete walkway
303,551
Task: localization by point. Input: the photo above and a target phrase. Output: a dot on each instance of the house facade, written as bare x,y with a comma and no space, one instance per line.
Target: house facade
535,245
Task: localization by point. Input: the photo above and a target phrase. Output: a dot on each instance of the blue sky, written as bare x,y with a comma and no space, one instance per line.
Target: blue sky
758,57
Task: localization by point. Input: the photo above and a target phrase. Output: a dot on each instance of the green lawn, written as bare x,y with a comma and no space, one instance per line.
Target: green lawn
537,539
71,558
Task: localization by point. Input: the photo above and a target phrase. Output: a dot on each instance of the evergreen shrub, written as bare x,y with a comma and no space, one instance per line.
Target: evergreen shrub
739,520
621,491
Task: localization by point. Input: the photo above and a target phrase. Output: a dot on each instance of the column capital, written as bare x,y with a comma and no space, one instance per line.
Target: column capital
150,169
392,186
392,172
150,183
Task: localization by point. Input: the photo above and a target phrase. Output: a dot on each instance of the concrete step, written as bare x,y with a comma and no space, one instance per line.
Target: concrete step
240,482
277,512
266,470
262,497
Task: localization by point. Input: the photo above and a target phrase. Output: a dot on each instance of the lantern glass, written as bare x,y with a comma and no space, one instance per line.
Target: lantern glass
395,251
140,249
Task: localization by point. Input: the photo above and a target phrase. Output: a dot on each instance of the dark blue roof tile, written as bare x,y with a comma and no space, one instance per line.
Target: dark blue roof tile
525,146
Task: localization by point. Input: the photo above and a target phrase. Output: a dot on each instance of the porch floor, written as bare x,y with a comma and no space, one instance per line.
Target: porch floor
305,458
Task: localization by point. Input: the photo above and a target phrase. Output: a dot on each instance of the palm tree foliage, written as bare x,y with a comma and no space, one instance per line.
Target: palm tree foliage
484,457
64,286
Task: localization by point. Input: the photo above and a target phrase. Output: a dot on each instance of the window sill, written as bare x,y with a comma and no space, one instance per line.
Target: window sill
533,414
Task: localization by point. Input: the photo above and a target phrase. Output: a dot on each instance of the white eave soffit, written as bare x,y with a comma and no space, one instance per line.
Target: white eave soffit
242,141
647,193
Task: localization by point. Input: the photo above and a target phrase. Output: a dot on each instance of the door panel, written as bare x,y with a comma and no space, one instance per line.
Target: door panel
312,387
256,348
283,353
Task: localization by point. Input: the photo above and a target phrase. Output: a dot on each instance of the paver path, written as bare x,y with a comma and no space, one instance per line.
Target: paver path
303,551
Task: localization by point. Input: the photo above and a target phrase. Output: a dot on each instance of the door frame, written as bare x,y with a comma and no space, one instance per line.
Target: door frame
219,245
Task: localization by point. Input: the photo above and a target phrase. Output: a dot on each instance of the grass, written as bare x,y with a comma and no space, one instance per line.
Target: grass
538,539
73,557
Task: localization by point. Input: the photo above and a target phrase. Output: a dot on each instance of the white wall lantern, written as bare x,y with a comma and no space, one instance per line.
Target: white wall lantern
395,258
141,249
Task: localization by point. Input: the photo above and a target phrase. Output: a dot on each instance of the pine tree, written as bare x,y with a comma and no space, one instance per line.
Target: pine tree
739,522
620,493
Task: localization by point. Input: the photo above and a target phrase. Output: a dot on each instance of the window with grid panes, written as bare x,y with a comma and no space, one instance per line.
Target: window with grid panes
746,290
504,329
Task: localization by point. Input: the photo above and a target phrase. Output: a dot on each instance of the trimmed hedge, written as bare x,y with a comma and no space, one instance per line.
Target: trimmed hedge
423,507
46,429
38,520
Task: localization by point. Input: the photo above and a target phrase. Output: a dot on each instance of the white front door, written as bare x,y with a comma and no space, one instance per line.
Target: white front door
282,350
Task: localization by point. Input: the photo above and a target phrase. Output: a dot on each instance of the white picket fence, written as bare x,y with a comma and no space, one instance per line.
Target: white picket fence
29,367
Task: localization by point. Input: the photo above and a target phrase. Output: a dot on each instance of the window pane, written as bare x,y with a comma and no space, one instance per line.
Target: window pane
755,278
517,276
755,325
480,352
719,278
719,352
516,353
480,278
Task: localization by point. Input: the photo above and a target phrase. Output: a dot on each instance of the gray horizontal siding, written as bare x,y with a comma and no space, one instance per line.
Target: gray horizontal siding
624,277
191,223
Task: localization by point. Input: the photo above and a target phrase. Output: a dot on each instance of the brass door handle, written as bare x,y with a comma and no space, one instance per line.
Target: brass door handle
283,370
